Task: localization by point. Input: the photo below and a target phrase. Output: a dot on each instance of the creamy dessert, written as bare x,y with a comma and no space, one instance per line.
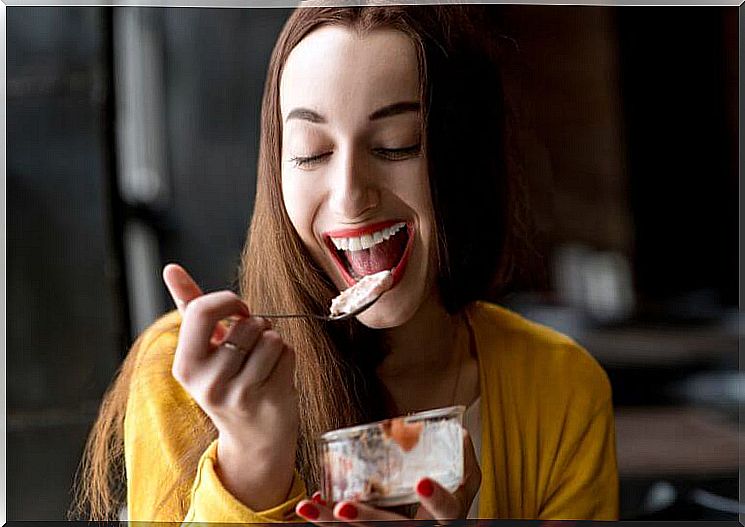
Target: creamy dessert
363,292
380,463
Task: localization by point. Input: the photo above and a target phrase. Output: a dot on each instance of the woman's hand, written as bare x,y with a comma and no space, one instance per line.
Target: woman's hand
242,377
436,503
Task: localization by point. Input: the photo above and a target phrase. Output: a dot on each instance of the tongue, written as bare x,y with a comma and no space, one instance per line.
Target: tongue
384,255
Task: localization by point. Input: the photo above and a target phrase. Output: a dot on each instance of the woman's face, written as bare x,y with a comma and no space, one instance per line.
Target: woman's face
354,180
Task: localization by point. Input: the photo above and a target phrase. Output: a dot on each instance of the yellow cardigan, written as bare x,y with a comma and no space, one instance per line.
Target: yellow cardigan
547,445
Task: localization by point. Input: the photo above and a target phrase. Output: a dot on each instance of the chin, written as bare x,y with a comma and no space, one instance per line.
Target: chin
394,309
381,318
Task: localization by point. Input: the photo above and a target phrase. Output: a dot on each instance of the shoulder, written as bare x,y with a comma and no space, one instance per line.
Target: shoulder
157,405
163,332
159,340
154,350
534,354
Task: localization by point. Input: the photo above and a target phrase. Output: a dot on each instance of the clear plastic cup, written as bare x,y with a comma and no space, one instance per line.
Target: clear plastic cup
380,463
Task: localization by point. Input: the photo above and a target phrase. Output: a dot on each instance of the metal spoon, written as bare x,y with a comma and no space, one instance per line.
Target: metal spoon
326,318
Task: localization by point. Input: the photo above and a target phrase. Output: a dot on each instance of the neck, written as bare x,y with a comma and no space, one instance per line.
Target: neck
424,367
422,345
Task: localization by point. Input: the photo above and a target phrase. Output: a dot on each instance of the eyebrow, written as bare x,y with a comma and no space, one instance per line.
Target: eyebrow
394,109
305,115
386,111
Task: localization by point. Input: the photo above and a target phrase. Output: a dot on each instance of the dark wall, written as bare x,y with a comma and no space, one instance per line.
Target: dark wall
679,85
65,331
68,325
215,65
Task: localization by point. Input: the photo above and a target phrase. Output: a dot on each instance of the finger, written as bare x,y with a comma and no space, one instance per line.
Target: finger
443,505
184,289
264,357
358,513
245,332
227,361
439,503
200,319
317,498
422,513
314,512
471,476
181,286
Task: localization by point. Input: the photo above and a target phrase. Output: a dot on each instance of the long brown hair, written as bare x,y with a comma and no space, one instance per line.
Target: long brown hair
466,143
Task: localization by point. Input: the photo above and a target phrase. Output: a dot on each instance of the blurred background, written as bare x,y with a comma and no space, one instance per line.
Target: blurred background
132,141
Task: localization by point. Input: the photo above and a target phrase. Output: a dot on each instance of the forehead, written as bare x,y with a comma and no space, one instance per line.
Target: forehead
335,68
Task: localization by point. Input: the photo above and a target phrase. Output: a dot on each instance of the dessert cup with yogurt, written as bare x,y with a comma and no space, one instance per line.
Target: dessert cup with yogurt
380,463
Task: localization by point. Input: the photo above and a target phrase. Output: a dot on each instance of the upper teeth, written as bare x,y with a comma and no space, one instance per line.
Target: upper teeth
366,240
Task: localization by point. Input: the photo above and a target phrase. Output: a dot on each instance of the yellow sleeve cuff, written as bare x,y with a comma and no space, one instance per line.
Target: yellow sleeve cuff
211,502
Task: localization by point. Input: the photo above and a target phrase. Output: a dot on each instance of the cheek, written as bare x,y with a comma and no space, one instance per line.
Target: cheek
420,198
416,193
298,204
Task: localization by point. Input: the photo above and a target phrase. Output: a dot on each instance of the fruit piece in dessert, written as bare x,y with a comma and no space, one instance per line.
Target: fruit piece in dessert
403,433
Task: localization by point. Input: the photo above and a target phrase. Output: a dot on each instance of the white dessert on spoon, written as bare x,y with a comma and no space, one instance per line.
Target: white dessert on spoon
367,289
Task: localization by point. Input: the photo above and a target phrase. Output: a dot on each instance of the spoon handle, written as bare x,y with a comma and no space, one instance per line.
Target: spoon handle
327,318
293,315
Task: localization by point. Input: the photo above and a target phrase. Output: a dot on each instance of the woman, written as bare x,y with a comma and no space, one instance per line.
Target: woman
383,147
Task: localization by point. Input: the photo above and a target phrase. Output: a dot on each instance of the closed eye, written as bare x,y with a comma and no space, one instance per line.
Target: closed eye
308,161
390,154
397,154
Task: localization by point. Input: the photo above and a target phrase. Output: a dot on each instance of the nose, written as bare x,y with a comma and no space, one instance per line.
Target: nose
353,190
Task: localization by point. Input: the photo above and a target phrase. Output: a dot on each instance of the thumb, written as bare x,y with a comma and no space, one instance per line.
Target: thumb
181,286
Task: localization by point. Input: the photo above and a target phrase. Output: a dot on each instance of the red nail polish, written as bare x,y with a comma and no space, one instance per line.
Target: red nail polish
318,499
425,488
307,510
347,511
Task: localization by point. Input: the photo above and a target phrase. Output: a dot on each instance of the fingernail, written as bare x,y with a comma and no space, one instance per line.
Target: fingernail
425,488
308,510
347,511
318,499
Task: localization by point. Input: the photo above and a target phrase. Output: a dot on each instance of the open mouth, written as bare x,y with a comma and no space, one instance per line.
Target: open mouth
371,249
